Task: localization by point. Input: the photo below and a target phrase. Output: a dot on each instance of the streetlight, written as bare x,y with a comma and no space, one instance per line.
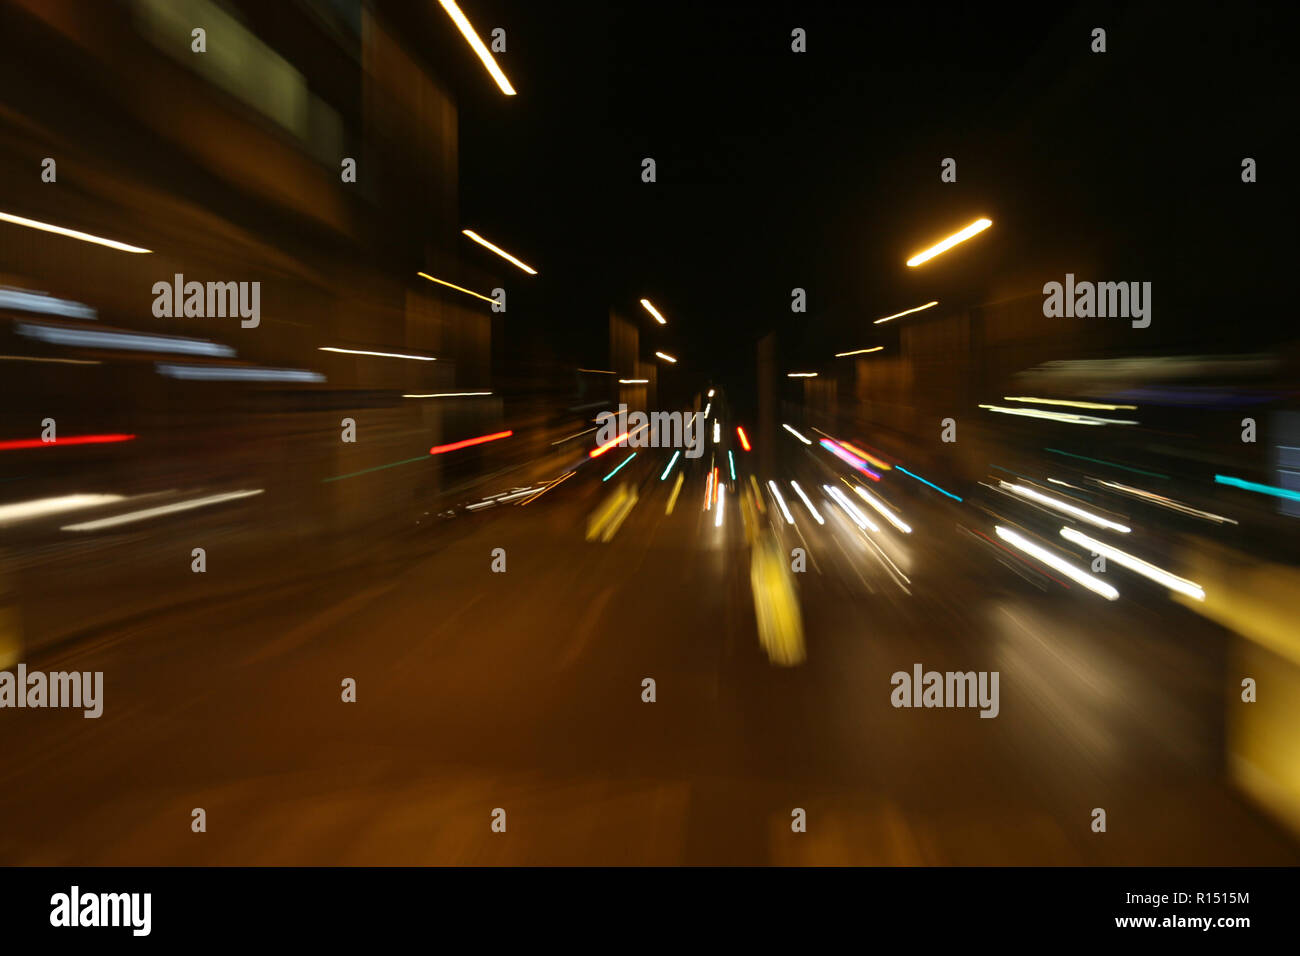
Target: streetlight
70,233
452,285
653,311
896,315
499,251
476,44
976,227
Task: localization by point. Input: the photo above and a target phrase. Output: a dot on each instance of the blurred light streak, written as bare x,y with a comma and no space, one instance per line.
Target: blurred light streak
41,507
40,358
450,395
502,498
1072,404
597,371
452,285
1064,507
902,579
776,493
106,439
1078,492
859,351
1055,481
511,496
859,519
854,449
1020,558
732,462
1257,487
70,233
499,251
481,51
612,443
943,245
796,434
883,466
666,357
1144,568
848,458
899,315
124,341
807,503
671,461
710,393
572,437
1069,570
1110,464
885,511
722,501
236,373
744,439
366,471
708,489
456,446
677,487
653,311
748,514
20,300
1047,512
634,381
1159,500
608,517
547,486
1066,417
133,516
930,483
396,355
717,432
708,408
776,604
619,467
802,375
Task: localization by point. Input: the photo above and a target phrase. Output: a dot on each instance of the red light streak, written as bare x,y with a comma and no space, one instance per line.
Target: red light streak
456,446
74,440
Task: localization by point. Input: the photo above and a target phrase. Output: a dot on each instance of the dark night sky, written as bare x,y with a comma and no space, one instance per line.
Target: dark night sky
821,170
